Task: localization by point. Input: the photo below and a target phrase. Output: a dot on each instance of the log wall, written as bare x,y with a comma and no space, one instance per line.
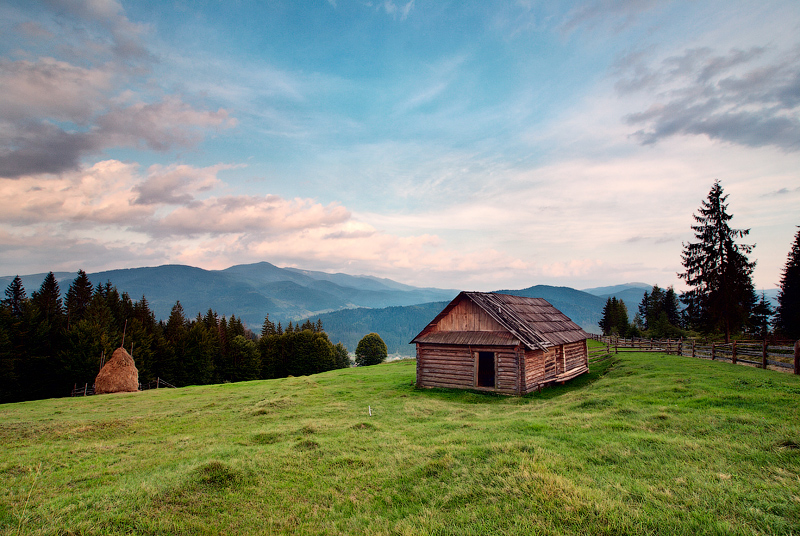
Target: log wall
507,371
517,371
540,367
575,355
456,367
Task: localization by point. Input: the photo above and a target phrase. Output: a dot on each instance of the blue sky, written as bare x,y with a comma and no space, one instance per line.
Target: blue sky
472,145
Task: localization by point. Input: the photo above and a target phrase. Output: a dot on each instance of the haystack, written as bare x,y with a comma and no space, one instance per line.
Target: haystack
118,375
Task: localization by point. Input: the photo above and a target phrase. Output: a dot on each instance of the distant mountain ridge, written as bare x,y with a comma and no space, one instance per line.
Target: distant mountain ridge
250,291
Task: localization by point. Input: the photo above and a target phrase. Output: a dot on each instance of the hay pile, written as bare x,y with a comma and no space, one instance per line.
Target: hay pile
118,375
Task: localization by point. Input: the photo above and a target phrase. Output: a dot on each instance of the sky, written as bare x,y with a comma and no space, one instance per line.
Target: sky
471,145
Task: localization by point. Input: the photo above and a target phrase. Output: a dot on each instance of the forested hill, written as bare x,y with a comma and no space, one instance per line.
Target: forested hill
396,325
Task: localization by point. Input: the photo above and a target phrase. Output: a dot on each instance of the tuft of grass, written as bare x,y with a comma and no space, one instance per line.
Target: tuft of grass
217,474
307,444
265,438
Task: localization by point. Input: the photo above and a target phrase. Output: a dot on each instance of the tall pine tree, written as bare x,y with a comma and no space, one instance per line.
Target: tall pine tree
718,272
787,315
79,295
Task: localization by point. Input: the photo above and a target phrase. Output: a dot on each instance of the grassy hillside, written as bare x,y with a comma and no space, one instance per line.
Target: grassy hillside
646,444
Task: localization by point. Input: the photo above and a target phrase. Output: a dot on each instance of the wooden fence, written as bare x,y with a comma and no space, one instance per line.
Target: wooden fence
155,384
88,390
781,356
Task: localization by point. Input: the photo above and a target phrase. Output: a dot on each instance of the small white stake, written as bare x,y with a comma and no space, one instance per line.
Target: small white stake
370,410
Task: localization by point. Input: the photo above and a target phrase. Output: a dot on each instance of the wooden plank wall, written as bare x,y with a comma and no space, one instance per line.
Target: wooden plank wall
445,366
540,367
575,355
466,316
454,367
507,370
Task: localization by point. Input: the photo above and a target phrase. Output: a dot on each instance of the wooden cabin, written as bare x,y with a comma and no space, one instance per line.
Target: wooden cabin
498,342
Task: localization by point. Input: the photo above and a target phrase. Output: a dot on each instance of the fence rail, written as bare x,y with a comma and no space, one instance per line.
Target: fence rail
155,384
88,390
781,356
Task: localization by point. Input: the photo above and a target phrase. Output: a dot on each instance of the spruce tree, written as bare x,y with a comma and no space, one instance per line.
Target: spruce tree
762,312
15,297
47,300
718,272
79,295
615,318
342,356
268,327
787,315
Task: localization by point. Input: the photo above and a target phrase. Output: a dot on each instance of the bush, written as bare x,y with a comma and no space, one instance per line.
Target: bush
371,350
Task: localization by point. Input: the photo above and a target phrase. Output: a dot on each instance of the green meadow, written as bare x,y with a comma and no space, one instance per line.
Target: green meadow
644,444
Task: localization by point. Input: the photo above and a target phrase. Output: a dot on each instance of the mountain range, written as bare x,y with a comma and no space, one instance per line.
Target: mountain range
349,306
250,291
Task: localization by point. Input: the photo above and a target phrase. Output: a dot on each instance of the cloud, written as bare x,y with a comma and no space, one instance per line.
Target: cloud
744,97
31,146
394,10
176,184
158,126
56,111
52,89
177,214
126,36
622,12
262,215
33,30
99,194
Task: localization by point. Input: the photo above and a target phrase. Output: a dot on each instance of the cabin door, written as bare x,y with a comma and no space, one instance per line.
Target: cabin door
486,369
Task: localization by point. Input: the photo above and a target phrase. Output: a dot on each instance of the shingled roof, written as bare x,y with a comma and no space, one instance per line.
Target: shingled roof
534,322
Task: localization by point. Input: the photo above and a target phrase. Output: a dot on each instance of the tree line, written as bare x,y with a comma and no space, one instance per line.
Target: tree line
721,300
49,343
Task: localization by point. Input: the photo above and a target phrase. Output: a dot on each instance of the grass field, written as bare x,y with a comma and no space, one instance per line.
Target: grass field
644,444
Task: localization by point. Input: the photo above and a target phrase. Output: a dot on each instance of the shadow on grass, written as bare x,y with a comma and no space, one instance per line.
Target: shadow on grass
468,396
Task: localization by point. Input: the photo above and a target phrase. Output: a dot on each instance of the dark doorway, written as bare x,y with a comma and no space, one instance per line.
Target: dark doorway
485,369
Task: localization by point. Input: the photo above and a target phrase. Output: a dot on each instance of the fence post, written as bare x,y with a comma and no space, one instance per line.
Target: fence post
764,355
693,349
157,382
733,353
713,351
797,357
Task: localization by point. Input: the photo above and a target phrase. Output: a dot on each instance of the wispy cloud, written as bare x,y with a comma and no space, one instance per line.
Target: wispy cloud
126,36
746,96
619,13
397,11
